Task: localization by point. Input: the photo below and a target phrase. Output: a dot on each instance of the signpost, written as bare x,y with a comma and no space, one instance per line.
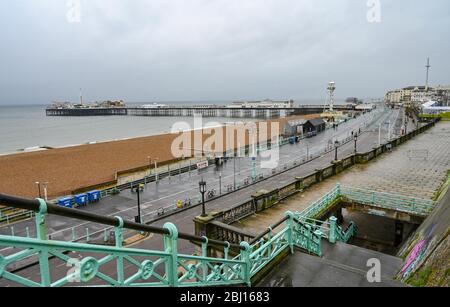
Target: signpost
202,164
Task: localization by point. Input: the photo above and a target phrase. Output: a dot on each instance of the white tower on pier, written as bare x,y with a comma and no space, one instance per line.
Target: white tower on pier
428,73
331,88
81,96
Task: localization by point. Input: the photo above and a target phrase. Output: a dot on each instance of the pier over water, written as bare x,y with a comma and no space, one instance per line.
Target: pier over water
187,111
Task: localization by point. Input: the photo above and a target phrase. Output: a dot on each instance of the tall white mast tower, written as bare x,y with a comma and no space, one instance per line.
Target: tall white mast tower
81,97
331,88
428,72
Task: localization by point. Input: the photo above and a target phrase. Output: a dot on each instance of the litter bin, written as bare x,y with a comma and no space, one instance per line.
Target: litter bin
81,200
93,196
65,202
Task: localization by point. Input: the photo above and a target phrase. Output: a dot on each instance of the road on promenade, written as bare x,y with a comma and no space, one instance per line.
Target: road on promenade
189,184
185,186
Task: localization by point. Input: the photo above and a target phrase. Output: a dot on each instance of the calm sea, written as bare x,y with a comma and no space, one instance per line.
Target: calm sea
24,127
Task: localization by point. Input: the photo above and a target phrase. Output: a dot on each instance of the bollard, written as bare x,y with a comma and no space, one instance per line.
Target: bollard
73,234
28,231
333,230
87,234
12,231
170,247
245,257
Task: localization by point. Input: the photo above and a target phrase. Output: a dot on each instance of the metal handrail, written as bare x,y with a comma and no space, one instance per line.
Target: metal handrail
34,205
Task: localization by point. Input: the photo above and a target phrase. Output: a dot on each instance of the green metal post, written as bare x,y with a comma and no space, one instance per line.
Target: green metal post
270,234
118,232
309,238
245,257
170,246
226,250
318,234
205,254
290,230
338,188
41,234
333,229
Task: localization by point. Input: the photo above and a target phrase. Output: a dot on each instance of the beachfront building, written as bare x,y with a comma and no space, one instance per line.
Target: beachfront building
268,103
434,107
294,127
316,125
417,95
393,96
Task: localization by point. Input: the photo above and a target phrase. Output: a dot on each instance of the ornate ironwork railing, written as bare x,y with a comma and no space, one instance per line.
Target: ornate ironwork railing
323,204
98,265
411,205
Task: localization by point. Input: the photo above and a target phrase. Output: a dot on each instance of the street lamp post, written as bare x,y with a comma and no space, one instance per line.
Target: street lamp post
234,171
202,188
45,191
39,188
138,217
389,131
156,170
356,140
220,183
336,144
379,135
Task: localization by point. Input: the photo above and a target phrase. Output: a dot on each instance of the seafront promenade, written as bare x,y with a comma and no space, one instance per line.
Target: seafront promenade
184,222
185,186
407,171
93,165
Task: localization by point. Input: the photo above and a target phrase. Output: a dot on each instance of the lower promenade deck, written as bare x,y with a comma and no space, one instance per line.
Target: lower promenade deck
184,221
418,168
71,168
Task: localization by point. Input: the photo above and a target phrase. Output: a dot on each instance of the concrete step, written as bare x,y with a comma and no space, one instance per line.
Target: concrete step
357,257
342,265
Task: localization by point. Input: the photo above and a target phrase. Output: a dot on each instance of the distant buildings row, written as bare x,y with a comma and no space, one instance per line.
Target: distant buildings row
93,105
417,95
268,103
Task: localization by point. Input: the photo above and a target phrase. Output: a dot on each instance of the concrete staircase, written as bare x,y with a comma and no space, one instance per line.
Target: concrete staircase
342,265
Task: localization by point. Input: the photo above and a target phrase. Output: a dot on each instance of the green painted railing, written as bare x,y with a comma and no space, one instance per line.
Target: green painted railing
410,205
323,204
97,265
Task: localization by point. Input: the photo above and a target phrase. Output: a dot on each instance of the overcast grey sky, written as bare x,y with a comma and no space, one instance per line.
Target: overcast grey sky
172,50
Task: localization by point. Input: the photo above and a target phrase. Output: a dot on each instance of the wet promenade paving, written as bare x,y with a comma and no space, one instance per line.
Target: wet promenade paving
184,221
185,186
416,168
